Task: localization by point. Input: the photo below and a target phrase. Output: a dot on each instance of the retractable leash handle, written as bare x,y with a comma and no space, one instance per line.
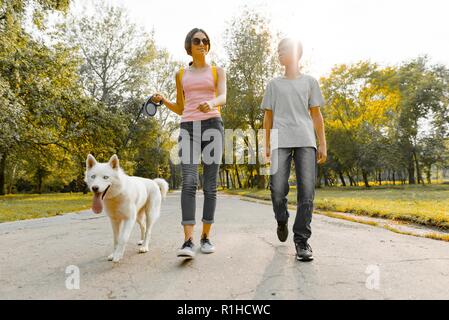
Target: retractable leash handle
150,107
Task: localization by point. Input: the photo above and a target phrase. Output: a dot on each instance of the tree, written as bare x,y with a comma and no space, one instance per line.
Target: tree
13,12
116,57
424,91
115,54
161,78
27,83
11,124
252,62
357,113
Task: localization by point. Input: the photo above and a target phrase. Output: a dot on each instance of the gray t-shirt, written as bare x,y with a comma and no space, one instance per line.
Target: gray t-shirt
290,101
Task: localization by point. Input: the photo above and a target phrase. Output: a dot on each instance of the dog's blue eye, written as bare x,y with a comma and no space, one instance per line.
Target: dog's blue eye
105,177
93,177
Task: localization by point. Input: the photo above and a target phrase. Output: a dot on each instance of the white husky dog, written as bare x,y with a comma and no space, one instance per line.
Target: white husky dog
126,200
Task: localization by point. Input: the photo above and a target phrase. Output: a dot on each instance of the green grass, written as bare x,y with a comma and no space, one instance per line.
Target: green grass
30,206
426,205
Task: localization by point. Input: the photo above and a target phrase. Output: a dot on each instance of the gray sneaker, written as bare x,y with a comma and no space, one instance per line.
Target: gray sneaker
207,246
187,250
303,251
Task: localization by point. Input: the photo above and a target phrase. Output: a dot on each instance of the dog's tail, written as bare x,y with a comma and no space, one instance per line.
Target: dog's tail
163,186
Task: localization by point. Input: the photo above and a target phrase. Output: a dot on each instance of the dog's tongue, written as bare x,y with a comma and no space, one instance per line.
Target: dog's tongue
97,204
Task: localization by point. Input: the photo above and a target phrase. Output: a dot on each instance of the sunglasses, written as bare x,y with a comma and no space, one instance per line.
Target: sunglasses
197,41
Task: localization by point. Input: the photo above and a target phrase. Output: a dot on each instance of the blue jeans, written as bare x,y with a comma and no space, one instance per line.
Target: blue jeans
305,168
200,139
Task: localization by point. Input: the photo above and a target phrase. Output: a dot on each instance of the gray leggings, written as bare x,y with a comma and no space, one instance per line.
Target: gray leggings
200,139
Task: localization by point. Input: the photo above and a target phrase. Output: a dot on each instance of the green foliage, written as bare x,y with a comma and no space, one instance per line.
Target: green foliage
373,118
83,92
115,54
252,63
249,45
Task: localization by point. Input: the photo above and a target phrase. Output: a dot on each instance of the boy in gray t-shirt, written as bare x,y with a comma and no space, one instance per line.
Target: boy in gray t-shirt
292,107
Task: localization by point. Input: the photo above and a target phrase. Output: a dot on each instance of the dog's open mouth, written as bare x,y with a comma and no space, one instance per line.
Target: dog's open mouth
97,203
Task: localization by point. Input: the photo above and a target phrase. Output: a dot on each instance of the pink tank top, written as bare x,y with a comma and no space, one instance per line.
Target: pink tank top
198,87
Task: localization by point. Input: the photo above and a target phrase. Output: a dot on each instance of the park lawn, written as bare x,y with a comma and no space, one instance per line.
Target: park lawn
426,205
30,206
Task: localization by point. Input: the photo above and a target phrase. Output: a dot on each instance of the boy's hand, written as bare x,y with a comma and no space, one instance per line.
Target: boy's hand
267,154
322,154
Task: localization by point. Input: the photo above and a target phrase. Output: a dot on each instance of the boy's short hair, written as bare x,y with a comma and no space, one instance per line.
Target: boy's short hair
296,43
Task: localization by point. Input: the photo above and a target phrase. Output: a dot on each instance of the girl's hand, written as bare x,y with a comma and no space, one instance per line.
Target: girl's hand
205,107
157,97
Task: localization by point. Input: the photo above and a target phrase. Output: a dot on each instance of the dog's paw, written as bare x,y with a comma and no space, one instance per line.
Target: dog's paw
110,257
143,250
116,257
140,243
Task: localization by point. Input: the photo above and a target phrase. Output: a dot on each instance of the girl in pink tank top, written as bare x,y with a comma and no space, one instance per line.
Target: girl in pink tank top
199,87
200,93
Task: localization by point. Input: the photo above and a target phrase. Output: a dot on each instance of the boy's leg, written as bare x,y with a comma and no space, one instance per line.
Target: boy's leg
305,168
280,162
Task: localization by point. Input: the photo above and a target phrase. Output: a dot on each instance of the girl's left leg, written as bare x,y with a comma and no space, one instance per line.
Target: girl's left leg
212,151
210,195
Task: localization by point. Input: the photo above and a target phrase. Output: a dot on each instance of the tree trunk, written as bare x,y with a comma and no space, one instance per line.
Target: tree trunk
411,171
418,169
227,178
247,183
2,173
365,178
39,184
13,178
201,181
172,176
261,181
319,177
429,174
394,180
326,179
340,174
232,179
220,176
238,175
351,180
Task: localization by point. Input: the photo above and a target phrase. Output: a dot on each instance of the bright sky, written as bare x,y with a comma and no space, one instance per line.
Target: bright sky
332,31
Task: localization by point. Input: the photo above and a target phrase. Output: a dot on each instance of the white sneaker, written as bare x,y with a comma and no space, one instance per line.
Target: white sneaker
207,246
187,250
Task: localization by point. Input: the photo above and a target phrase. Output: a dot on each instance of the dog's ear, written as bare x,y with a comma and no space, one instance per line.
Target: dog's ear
90,161
113,162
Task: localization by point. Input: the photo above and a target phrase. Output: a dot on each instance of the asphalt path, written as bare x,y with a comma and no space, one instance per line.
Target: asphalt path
41,258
